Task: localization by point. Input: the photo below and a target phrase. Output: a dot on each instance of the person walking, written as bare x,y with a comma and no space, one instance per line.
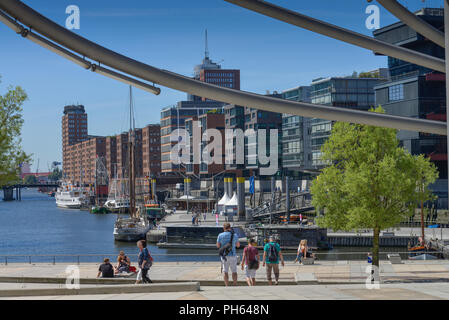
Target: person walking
145,262
271,255
217,216
227,242
250,262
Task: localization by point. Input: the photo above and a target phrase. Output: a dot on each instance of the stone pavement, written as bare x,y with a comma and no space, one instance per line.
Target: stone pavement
209,273
408,291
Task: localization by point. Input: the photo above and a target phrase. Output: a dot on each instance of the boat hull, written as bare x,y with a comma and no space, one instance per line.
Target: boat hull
130,235
68,205
424,256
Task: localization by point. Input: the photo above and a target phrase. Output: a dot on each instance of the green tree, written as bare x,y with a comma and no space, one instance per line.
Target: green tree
11,122
371,182
30,179
55,175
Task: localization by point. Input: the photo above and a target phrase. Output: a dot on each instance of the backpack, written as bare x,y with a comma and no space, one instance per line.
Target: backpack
252,264
227,248
272,253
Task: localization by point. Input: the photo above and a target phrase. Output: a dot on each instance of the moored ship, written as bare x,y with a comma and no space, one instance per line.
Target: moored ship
137,225
70,197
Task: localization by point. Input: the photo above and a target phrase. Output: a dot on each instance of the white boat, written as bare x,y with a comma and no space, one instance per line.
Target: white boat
116,201
70,198
117,205
131,229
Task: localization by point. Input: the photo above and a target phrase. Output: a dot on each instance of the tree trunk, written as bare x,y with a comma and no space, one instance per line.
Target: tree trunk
376,246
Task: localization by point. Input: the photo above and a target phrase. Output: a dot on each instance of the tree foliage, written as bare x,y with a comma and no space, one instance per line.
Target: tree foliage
11,122
30,179
371,182
55,175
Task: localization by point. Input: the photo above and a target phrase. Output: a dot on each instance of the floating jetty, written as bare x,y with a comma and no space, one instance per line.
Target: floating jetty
195,237
345,240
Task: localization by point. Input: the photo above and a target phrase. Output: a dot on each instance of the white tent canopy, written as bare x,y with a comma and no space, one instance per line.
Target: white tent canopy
233,202
224,200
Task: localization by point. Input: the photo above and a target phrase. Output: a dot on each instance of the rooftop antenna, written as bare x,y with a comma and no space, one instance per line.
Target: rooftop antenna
206,51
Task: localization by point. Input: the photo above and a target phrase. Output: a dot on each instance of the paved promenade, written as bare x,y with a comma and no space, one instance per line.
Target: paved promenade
416,291
209,273
324,280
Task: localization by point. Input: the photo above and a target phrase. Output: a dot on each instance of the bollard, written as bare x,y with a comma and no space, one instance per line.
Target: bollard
153,189
241,199
231,187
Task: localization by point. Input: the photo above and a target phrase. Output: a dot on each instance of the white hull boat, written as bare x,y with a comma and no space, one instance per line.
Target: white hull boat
131,229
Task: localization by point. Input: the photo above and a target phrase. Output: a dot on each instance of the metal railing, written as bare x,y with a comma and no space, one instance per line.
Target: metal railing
289,256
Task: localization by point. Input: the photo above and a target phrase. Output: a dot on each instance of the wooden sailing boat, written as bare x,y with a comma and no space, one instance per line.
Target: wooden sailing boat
137,225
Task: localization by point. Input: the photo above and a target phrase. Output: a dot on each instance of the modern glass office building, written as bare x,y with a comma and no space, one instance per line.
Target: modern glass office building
418,92
341,92
295,139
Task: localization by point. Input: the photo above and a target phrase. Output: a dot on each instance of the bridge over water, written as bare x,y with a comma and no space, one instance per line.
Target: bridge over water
8,191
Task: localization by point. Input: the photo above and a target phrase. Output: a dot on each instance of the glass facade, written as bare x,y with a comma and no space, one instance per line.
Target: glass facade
349,92
293,135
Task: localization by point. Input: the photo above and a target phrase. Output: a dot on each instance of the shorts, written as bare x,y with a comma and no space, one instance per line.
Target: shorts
250,273
272,267
230,262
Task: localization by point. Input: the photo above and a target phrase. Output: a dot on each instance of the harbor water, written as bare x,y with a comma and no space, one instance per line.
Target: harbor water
35,230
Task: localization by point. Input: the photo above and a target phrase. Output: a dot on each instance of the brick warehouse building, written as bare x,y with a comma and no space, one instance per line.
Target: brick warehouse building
81,151
74,130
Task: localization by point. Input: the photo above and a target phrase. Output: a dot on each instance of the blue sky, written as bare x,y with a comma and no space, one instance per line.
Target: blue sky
169,34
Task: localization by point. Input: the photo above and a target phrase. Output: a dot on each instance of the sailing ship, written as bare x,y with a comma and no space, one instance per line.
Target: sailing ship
116,202
136,226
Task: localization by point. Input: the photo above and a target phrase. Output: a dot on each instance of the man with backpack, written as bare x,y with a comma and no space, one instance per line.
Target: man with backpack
250,262
227,242
271,255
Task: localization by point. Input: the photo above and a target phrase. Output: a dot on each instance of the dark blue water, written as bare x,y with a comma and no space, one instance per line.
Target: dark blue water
35,226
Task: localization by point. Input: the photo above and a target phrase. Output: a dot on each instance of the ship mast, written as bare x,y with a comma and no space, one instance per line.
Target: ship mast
131,171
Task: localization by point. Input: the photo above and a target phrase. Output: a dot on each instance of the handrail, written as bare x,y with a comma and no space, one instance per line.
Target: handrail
93,51
331,256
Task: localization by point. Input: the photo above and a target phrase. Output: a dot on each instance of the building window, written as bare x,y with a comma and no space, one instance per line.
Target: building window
396,92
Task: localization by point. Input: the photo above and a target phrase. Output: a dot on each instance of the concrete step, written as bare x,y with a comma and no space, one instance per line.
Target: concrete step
104,289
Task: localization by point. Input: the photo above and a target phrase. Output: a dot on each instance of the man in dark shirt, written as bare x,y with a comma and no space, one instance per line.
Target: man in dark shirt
106,269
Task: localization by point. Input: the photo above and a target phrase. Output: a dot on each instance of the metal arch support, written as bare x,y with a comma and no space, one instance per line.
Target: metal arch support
28,34
175,81
345,35
413,21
